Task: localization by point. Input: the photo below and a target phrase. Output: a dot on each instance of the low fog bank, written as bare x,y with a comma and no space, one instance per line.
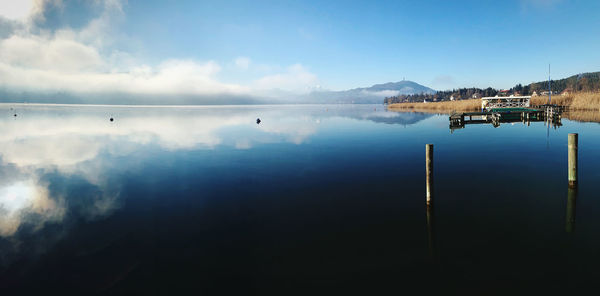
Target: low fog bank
130,99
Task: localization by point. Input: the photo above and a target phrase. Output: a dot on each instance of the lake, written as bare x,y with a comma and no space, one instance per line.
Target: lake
316,199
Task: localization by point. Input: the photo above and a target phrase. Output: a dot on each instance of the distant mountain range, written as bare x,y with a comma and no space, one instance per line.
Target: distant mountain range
391,92
364,95
367,95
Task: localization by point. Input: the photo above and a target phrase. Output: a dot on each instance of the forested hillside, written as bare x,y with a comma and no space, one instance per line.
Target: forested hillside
585,82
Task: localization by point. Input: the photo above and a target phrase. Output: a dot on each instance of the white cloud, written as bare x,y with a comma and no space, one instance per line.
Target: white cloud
57,63
55,54
84,62
296,78
71,61
242,63
16,9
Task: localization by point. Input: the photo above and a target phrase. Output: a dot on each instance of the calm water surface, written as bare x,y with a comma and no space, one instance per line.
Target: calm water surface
313,200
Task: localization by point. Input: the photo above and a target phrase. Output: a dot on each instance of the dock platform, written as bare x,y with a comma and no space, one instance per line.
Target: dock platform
495,116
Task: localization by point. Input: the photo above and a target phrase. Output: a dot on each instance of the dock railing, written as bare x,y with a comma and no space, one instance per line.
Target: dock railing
505,102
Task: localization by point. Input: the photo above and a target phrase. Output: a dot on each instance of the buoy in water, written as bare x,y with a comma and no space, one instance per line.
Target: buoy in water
111,119
257,120
15,115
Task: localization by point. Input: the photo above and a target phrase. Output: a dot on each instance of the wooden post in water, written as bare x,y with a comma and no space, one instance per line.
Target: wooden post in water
429,173
573,160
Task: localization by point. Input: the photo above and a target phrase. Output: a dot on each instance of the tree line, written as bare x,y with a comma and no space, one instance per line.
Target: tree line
446,95
584,82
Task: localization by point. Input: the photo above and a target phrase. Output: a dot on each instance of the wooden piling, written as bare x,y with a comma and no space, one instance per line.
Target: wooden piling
573,160
429,173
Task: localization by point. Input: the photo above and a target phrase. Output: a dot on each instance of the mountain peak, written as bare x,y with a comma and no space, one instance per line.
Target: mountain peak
372,95
405,85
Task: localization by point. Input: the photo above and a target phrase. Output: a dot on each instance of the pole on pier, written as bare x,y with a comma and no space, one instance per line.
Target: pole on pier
549,87
573,160
571,205
429,173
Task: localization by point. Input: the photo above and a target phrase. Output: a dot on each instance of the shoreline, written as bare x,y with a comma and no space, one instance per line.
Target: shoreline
587,101
583,107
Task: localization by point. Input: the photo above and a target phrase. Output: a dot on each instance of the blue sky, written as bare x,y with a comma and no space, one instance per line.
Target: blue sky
349,44
253,46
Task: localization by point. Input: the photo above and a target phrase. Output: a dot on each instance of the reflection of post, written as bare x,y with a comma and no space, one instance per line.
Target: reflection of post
429,174
571,203
430,233
429,197
572,160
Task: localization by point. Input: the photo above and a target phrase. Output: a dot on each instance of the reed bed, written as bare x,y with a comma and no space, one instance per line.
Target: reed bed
576,101
589,101
556,99
439,107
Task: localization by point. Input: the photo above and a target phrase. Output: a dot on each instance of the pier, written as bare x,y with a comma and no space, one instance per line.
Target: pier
495,116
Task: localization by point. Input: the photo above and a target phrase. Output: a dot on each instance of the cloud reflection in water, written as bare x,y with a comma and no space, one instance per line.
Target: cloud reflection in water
77,141
26,201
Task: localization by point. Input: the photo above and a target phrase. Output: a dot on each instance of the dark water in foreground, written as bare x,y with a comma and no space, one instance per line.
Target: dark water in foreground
314,200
